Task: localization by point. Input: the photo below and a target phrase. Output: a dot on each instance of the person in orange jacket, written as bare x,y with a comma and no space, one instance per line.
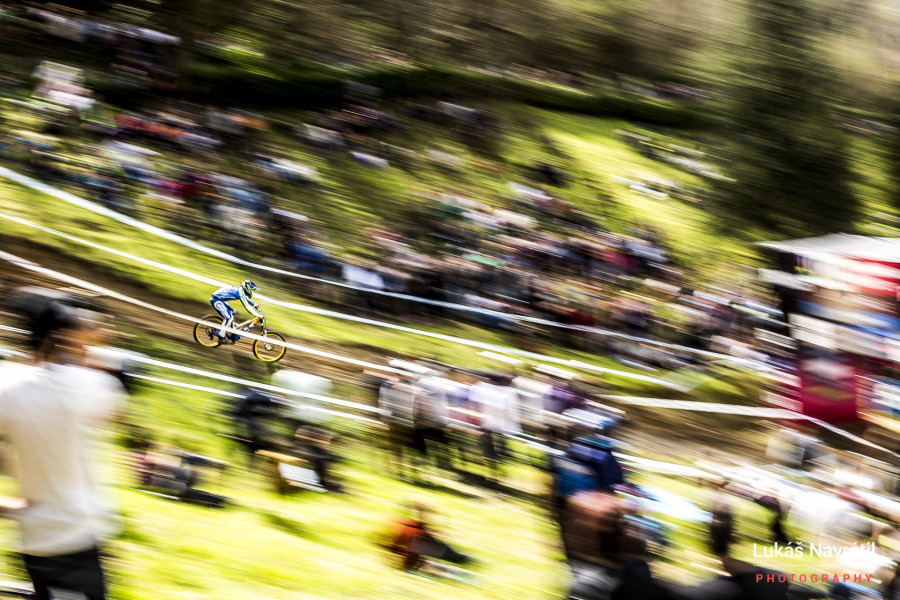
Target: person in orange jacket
413,542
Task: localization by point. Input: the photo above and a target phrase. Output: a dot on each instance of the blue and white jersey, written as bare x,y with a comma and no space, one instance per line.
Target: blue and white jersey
235,292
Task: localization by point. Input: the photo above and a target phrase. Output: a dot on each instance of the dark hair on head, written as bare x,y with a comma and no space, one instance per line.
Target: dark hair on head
501,379
46,312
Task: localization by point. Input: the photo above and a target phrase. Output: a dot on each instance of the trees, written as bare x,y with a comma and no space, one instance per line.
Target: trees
790,162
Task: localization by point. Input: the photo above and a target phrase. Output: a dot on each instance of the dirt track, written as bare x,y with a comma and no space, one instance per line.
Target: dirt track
137,321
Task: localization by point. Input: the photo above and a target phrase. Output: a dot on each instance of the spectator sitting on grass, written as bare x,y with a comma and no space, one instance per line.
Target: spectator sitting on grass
413,542
314,445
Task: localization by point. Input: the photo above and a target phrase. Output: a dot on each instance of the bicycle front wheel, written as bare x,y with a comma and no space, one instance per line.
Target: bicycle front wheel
267,351
208,335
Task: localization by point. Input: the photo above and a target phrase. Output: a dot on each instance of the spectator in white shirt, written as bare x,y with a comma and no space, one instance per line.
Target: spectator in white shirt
499,406
49,415
396,399
364,277
534,395
431,420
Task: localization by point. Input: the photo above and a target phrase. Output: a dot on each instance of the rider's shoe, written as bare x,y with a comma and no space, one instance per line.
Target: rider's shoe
232,338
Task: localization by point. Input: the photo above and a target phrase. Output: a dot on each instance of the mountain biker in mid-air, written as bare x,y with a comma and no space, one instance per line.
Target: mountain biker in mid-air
223,296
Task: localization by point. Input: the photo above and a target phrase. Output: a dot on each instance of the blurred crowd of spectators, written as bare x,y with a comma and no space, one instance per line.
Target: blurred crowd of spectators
230,178
140,57
532,255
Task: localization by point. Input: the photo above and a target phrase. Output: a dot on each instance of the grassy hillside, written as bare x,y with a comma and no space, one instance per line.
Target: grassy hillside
307,545
585,148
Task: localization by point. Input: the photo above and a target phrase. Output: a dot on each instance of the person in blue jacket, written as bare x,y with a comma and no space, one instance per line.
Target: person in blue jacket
221,298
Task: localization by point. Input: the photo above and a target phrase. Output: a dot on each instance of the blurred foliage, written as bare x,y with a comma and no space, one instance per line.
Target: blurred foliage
789,164
892,158
781,72
243,80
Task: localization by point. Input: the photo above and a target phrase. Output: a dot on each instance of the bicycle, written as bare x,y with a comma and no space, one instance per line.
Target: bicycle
206,333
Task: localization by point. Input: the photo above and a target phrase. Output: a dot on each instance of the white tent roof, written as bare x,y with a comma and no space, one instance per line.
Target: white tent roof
844,245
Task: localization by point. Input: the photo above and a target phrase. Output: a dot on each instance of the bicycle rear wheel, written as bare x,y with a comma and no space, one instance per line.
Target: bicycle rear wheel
264,350
207,335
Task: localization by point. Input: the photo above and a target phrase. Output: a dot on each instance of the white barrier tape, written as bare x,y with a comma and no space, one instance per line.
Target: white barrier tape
10,352
338,413
189,386
577,364
263,386
657,466
132,257
536,444
338,315
173,237
646,464
233,395
125,219
102,210
848,435
761,412
731,409
13,329
113,294
253,384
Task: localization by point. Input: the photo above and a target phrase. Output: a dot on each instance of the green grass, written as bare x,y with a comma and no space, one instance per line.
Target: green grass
321,546
308,545
687,228
312,546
